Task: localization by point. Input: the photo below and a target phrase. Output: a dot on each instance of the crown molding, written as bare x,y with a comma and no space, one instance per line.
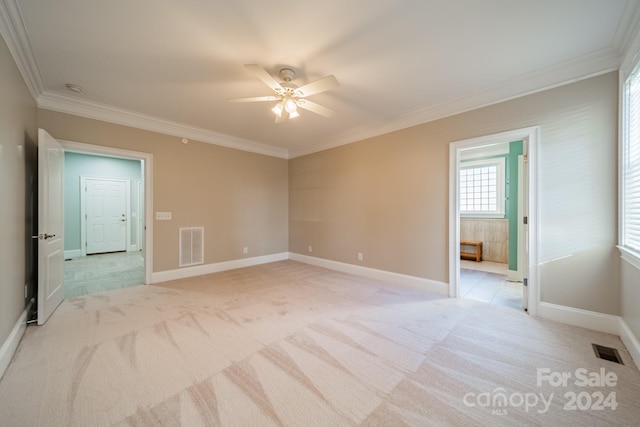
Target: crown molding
94,110
15,36
625,47
628,29
14,33
588,66
629,42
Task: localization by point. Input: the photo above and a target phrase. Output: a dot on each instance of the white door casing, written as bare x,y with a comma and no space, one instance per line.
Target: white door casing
105,204
50,225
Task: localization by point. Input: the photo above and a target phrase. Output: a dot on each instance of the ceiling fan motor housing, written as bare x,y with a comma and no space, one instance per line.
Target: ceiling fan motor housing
287,74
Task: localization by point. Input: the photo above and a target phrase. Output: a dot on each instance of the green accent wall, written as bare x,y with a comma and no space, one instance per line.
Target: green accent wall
515,150
77,165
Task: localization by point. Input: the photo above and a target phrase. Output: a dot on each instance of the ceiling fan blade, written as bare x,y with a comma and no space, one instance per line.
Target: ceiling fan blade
264,76
322,85
255,99
315,108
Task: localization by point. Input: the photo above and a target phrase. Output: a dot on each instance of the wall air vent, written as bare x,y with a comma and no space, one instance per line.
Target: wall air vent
191,246
607,353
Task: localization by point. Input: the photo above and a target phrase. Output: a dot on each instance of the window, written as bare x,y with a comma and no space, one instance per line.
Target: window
630,166
482,188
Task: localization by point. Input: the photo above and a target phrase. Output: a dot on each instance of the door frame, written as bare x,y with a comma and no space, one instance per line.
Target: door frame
531,136
83,210
147,177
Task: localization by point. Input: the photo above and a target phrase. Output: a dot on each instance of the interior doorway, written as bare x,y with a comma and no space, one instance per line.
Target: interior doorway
492,219
107,252
488,183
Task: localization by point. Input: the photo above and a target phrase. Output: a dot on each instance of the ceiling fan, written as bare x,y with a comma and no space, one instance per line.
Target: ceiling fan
290,96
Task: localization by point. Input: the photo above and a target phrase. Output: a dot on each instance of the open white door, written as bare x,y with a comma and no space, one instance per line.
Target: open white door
50,225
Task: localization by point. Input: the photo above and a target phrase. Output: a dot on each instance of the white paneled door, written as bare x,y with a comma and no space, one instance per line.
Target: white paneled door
50,225
106,214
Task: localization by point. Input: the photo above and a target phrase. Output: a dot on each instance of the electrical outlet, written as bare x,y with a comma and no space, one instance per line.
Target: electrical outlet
360,256
163,216
310,248
245,250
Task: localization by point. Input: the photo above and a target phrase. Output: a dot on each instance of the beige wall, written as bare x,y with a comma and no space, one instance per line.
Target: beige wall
388,196
240,198
17,137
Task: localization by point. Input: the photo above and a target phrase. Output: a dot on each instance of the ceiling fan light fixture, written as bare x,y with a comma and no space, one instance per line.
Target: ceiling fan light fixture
277,110
288,95
290,106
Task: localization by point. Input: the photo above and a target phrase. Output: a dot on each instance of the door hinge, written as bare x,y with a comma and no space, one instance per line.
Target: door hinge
525,282
525,220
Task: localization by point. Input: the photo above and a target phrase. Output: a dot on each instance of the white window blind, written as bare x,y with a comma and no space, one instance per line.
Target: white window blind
630,208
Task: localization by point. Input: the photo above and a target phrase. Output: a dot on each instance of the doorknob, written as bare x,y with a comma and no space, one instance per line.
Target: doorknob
44,236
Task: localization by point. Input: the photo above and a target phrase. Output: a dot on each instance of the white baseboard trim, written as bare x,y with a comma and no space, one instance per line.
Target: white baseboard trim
132,248
596,322
372,273
199,270
10,345
630,341
514,276
73,253
577,317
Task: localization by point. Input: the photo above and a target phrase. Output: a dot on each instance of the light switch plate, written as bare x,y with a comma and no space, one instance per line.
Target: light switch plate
163,216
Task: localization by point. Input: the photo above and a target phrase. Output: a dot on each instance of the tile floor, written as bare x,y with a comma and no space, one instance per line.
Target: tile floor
102,272
487,281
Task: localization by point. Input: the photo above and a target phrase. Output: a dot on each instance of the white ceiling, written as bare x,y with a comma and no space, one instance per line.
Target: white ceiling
170,66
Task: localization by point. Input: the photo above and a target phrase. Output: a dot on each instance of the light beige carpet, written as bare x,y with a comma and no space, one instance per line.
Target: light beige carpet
295,345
